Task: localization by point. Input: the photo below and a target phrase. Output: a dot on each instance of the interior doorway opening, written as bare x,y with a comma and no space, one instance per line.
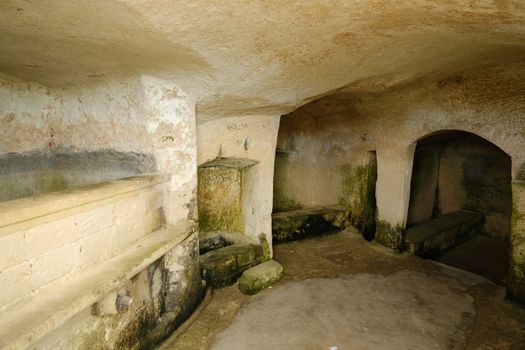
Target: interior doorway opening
461,203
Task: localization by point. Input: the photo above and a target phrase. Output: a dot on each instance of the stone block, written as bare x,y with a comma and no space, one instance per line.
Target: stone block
55,264
260,277
223,266
52,235
297,224
15,282
438,235
95,247
94,221
13,250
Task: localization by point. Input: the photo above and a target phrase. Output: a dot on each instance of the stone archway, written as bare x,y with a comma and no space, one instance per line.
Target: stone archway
461,190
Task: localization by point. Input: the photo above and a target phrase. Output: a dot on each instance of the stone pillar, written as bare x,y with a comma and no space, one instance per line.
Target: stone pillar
171,125
394,172
516,278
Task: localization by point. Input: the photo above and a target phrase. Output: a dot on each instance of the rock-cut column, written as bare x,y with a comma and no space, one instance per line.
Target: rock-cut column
170,118
394,172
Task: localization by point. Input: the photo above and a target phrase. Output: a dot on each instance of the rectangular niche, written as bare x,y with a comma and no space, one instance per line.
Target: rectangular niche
225,194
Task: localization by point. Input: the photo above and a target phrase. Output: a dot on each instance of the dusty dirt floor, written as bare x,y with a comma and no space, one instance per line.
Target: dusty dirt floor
342,292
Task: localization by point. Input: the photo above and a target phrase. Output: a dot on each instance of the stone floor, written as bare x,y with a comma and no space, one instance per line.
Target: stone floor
482,255
341,291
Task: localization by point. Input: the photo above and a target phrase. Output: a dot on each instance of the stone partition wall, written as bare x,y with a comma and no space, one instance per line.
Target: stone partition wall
250,137
46,239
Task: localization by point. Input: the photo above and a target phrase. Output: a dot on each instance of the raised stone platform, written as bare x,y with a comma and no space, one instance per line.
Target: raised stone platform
297,224
438,235
226,255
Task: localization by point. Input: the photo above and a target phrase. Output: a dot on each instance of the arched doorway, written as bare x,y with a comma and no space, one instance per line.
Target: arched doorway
461,203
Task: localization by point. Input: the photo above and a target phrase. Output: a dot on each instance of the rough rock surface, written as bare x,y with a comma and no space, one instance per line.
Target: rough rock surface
290,51
260,277
222,266
297,224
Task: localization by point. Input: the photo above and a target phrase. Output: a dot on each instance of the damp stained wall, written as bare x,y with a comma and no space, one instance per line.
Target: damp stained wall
53,139
317,158
254,138
488,102
61,137
225,193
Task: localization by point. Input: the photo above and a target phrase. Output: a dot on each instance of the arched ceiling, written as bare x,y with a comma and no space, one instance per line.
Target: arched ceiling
265,56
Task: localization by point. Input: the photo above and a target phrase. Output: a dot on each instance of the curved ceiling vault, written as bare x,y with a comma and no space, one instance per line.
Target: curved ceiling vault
240,57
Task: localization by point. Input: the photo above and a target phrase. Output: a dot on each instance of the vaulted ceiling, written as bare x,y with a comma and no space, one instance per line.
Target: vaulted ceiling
265,56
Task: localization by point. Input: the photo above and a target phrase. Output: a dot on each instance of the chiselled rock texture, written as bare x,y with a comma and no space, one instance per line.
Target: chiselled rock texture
438,235
260,277
194,91
298,224
227,255
516,279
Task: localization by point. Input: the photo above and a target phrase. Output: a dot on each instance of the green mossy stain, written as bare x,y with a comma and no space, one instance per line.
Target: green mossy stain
267,254
219,199
389,235
358,187
51,181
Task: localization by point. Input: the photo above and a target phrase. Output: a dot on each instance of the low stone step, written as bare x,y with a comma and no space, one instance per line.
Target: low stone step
232,254
297,224
260,277
434,237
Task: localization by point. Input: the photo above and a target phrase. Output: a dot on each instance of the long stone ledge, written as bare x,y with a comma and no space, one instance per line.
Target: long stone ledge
438,235
51,308
26,212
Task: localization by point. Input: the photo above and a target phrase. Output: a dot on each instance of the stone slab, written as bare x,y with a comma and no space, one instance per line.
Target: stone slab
226,255
297,224
438,235
260,277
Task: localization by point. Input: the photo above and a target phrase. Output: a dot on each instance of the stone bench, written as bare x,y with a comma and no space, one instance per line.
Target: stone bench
438,235
297,224
67,257
53,307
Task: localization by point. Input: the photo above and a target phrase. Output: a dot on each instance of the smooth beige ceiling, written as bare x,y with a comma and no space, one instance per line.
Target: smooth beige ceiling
265,56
